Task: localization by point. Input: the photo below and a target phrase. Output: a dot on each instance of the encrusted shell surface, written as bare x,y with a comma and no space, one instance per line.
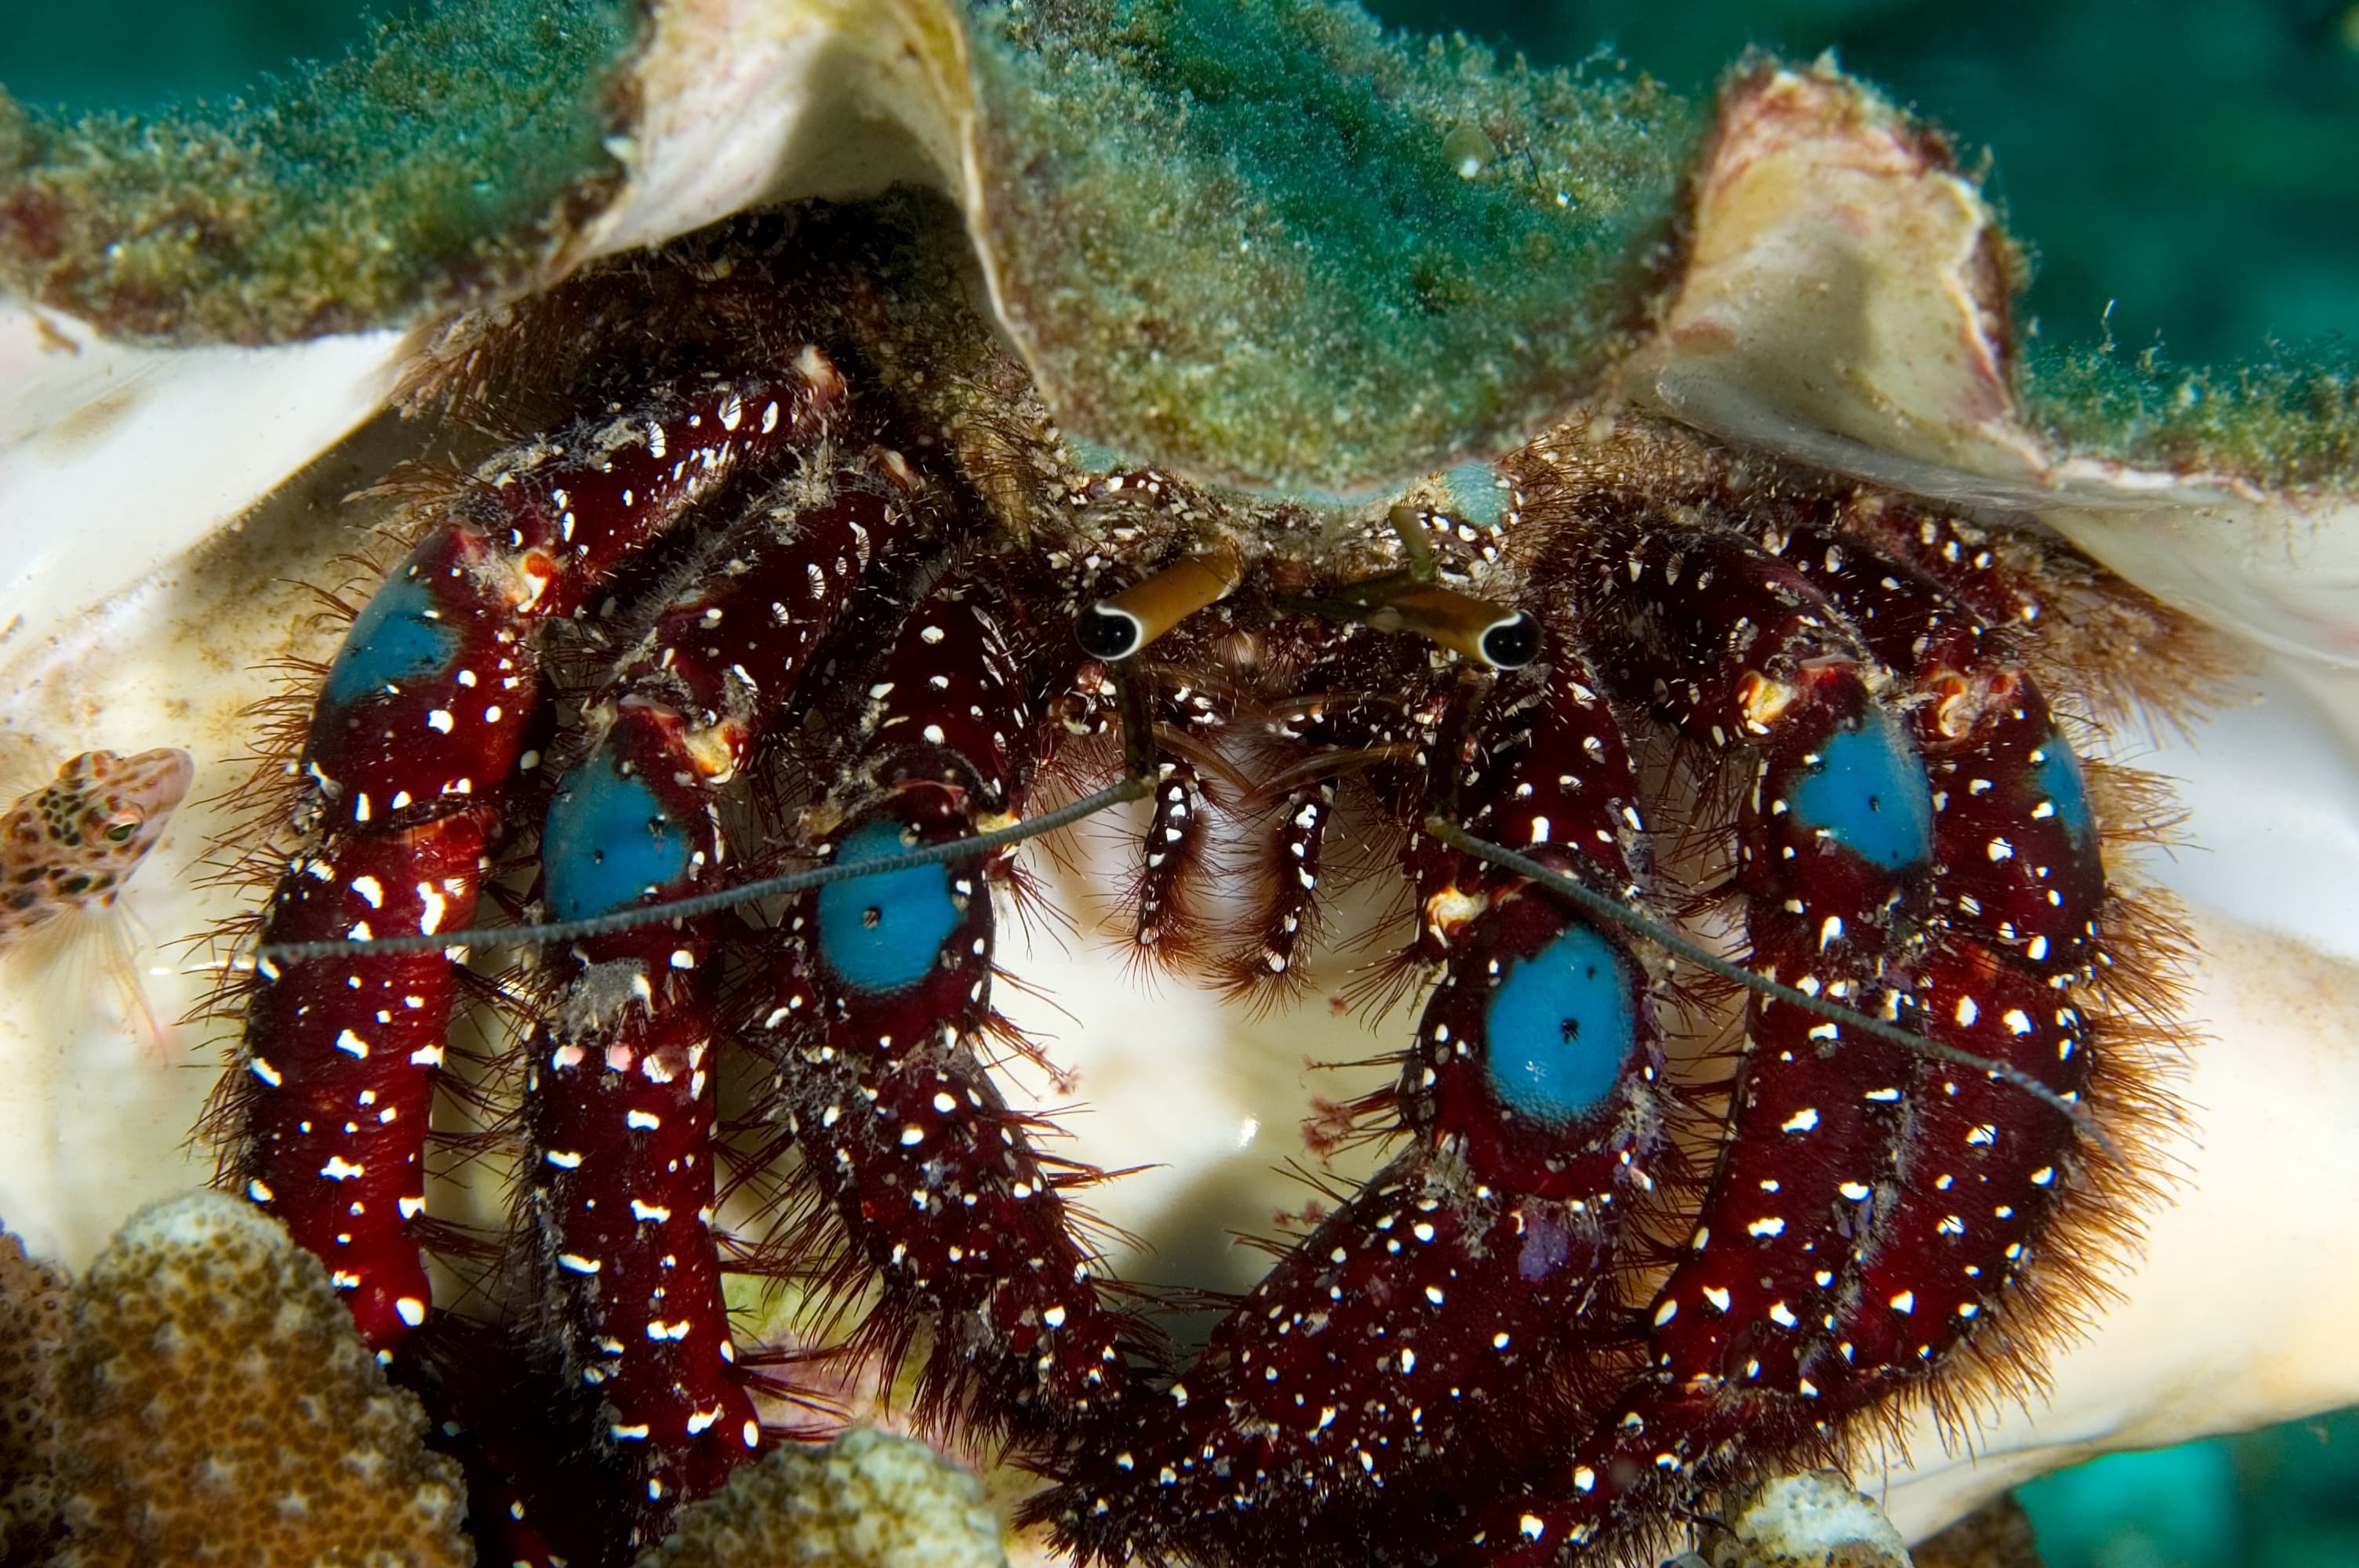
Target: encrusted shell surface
1841,301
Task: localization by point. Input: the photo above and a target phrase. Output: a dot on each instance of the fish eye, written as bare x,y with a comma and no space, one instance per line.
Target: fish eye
122,831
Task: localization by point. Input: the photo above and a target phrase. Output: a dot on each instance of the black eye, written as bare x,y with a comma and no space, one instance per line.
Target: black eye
122,833
1512,644
1109,634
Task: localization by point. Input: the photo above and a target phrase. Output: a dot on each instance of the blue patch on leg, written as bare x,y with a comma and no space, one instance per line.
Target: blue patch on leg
880,934
606,840
1868,792
395,638
2058,772
1559,1026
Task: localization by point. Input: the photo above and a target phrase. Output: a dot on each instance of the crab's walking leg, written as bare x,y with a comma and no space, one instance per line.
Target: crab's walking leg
1740,651
1795,1307
619,1101
1441,1324
945,1200
1178,826
1982,1168
1359,723
417,730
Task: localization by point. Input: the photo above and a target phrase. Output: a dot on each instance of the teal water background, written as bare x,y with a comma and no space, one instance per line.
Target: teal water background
2185,171
2188,162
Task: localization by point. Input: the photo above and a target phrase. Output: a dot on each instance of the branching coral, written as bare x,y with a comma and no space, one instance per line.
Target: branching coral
221,1409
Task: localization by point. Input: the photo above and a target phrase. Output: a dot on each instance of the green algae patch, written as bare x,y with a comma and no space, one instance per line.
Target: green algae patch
441,160
1263,244
2282,423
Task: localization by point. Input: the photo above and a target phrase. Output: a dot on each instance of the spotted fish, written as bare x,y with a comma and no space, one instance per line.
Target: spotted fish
72,844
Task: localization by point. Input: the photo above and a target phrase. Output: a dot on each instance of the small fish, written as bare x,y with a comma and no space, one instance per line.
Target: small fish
70,844
66,849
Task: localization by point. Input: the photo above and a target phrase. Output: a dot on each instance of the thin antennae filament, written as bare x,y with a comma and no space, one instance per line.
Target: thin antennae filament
704,902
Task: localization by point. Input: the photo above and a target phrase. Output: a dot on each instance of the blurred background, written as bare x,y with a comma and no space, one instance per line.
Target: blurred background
2186,173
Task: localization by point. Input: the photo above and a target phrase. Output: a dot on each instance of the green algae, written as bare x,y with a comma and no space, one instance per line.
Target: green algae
2281,422
440,159
1269,244
1237,237
1251,241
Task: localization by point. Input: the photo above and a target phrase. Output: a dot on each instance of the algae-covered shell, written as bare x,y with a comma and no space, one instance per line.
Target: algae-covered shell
1799,267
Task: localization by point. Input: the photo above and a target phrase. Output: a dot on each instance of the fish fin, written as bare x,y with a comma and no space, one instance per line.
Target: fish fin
82,967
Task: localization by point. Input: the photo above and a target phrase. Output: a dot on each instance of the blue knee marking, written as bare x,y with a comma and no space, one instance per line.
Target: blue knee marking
2056,771
1868,792
1475,494
606,840
1559,1026
395,638
880,934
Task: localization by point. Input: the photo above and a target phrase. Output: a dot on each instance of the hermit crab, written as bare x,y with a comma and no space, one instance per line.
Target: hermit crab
1615,533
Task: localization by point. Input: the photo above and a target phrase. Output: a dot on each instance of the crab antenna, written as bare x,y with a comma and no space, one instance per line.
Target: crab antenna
1607,907
273,953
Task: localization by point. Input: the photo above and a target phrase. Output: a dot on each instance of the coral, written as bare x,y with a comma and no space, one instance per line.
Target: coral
866,1500
1815,1521
33,1328
223,1411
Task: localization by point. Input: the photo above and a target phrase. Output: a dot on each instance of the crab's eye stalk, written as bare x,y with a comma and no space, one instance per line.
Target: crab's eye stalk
122,831
1491,633
1511,643
1116,628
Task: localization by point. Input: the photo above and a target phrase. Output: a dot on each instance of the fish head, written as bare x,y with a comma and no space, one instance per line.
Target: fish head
115,805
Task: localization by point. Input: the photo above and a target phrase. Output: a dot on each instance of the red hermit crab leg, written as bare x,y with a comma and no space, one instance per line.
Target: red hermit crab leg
1834,831
417,730
1436,1327
1916,842
1358,724
909,1143
1171,850
1981,1169
1115,629
620,1097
